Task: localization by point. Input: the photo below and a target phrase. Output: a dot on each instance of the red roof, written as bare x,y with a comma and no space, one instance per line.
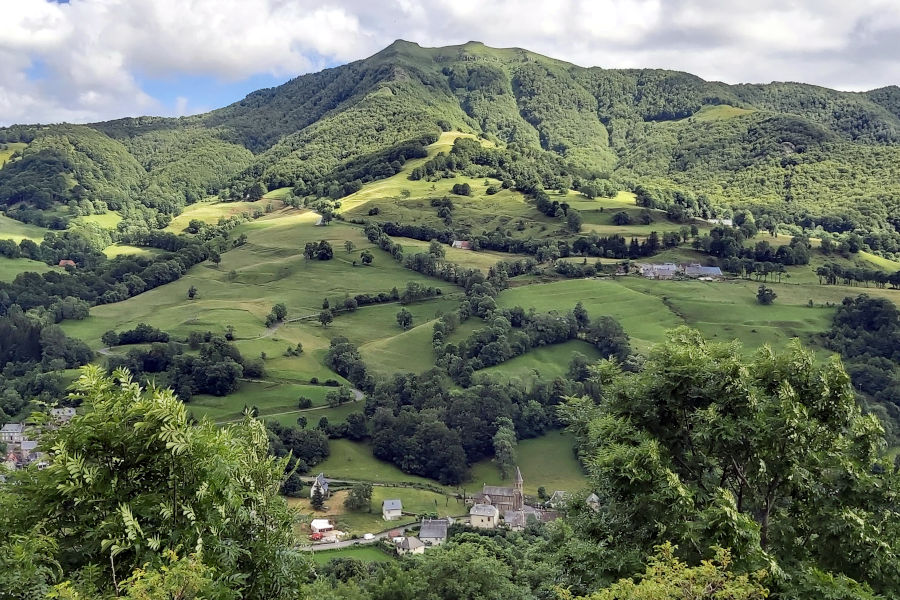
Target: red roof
67,263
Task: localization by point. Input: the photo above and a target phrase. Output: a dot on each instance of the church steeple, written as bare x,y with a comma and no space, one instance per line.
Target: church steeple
518,493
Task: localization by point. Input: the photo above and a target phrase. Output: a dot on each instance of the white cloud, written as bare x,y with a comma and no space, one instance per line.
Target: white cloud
90,51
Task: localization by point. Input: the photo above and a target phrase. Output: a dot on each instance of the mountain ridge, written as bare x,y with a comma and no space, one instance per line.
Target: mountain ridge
633,126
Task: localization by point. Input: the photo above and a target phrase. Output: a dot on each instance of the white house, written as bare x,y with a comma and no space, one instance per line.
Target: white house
321,484
391,510
12,433
593,502
321,526
484,516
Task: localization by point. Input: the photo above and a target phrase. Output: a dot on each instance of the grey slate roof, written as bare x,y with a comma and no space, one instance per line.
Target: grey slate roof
433,528
494,490
392,505
484,510
13,428
323,483
411,543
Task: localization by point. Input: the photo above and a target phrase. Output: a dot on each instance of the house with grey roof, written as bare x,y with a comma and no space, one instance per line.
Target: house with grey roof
557,499
62,414
433,531
593,502
484,516
410,545
391,510
12,433
321,484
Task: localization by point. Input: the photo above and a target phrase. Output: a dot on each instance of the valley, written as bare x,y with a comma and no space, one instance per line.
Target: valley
622,302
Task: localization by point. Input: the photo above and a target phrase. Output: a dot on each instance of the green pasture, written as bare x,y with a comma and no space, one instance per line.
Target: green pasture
10,229
211,210
546,362
546,461
354,460
11,267
644,316
126,250
313,415
11,148
268,397
107,220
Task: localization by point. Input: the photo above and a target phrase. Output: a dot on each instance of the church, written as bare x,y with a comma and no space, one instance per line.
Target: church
504,498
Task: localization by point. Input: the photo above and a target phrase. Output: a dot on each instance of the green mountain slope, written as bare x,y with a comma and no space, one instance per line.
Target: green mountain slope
808,155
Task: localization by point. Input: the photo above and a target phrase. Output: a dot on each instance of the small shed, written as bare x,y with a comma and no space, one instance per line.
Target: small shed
391,510
462,244
67,263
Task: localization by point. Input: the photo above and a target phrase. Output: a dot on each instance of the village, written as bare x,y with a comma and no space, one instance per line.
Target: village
20,440
493,508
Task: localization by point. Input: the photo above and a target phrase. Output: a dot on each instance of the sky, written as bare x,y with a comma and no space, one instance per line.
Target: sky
91,60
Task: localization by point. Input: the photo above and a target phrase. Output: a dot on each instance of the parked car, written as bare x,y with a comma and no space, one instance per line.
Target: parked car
369,536
315,536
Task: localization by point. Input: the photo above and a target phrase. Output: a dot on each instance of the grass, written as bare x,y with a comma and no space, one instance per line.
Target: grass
11,148
11,267
546,461
18,231
719,112
211,210
546,362
107,220
126,250
354,460
267,397
644,316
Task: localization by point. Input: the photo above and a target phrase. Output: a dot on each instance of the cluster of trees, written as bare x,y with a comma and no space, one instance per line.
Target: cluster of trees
216,369
425,428
141,334
97,280
344,359
321,250
832,273
866,333
705,448
512,332
728,243
32,352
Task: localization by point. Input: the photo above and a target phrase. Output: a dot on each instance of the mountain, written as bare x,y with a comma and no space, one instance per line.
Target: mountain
806,155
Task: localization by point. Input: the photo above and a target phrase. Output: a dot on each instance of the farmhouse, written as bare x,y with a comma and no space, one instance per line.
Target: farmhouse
462,244
66,263
484,516
321,484
391,510
664,271
12,433
410,545
504,498
671,270
433,531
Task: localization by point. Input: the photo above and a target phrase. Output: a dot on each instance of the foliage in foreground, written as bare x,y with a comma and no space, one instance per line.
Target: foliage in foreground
132,485
771,458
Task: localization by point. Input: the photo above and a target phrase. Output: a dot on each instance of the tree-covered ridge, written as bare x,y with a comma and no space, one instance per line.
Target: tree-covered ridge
802,151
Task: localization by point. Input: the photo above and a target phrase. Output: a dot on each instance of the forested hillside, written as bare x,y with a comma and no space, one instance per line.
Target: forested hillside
806,155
